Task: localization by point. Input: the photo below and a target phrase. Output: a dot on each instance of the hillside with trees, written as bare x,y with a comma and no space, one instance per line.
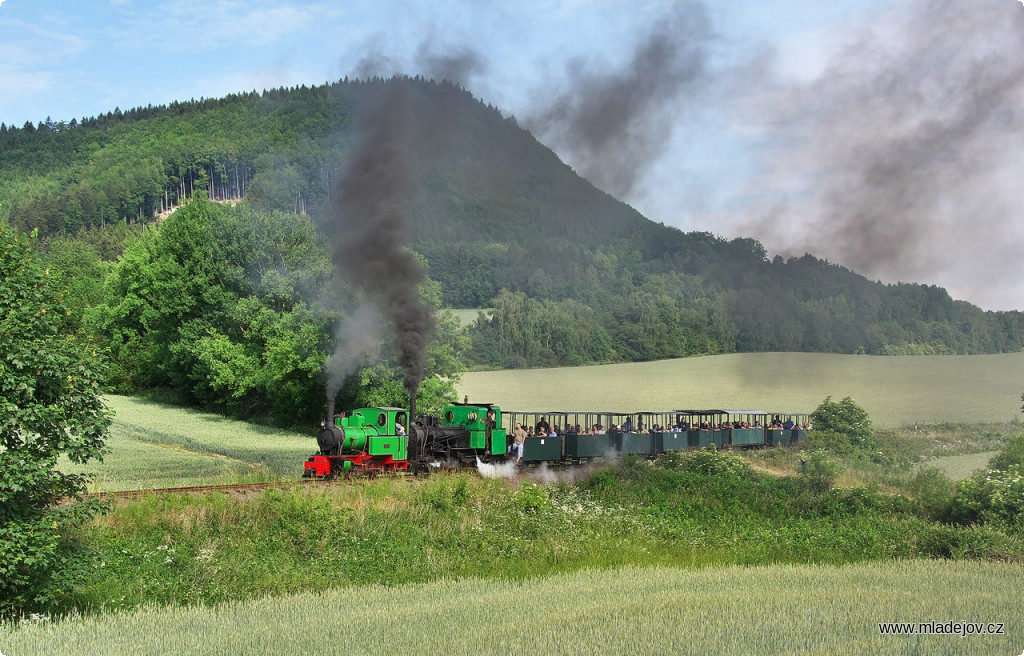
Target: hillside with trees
573,275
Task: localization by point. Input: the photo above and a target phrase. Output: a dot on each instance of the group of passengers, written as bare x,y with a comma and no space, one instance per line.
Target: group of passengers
789,424
544,429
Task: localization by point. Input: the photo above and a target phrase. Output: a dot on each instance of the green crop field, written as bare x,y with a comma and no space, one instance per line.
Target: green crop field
779,609
159,445
895,390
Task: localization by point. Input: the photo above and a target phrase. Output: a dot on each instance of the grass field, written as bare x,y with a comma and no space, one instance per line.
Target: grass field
896,391
734,610
159,445
466,317
963,466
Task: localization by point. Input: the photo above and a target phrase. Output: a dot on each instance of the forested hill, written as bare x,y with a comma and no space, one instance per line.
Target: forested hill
573,275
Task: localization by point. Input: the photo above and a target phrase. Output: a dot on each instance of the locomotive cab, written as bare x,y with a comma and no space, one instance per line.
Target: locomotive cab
475,429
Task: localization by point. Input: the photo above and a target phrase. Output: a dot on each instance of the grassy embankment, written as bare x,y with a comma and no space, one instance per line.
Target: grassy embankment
896,391
213,548
735,610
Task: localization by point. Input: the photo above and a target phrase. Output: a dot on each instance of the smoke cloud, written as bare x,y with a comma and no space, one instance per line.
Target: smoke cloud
613,124
370,242
458,66
902,158
356,341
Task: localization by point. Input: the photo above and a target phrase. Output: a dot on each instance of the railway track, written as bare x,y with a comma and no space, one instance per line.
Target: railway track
230,488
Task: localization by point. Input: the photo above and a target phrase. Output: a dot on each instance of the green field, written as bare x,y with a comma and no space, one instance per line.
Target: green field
734,610
962,466
158,445
895,390
466,317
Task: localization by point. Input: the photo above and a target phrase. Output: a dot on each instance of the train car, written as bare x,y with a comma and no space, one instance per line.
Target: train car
786,428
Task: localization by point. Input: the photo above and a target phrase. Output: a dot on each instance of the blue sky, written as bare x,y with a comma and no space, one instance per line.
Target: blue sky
66,58
761,147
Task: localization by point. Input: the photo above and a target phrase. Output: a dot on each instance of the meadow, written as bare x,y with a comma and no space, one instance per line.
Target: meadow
466,317
895,390
964,466
783,609
155,445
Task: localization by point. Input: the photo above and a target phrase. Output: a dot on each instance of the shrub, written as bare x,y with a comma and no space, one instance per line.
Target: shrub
844,417
49,406
531,497
818,472
933,490
1011,454
708,460
993,497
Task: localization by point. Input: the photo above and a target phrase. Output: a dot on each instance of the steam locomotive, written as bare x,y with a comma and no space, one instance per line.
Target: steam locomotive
369,441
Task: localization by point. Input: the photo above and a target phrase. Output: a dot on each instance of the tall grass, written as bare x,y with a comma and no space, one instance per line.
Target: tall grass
895,390
213,548
782,609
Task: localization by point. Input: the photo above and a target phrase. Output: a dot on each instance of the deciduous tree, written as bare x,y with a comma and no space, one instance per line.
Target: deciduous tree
50,406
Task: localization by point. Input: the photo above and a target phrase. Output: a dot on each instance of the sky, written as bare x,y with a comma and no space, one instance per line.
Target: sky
882,135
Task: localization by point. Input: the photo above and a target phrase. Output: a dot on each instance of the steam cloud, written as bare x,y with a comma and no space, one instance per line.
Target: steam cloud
356,340
371,221
903,157
613,125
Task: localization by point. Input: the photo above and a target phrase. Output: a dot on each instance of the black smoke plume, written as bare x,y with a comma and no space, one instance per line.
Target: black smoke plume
902,158
457,65
370,244
613,124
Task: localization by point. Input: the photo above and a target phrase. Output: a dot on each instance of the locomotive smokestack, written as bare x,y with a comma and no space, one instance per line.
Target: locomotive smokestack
412,409
330,412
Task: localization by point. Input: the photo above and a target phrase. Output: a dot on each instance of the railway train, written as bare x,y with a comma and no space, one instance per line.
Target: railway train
368,441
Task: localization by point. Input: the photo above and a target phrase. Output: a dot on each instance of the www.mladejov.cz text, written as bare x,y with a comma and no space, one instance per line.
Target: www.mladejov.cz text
950,627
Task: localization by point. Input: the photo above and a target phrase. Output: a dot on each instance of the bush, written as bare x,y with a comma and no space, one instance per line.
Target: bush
843,427
708,460
933,490
1011,454
995,497
845,417
531,497
818,472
